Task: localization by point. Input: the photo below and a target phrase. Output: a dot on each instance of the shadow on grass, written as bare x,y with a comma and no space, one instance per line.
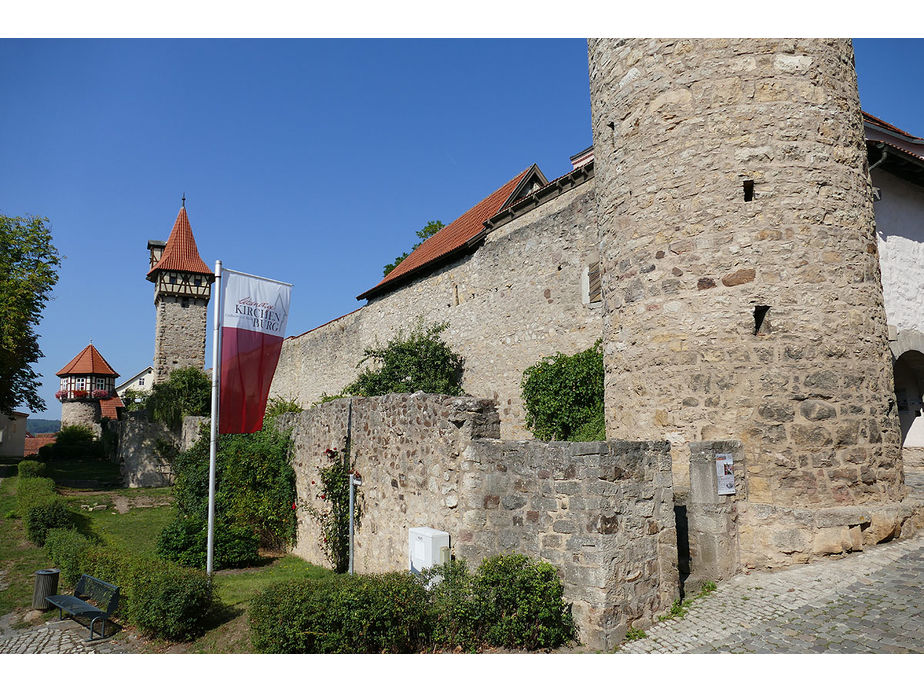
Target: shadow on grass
220,614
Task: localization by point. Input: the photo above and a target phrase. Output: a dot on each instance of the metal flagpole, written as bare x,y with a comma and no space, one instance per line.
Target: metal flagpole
213,441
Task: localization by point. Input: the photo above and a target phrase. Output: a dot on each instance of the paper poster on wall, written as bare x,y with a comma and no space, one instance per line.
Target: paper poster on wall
725,473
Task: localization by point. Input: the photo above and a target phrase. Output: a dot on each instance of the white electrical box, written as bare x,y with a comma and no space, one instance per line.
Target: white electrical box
424,547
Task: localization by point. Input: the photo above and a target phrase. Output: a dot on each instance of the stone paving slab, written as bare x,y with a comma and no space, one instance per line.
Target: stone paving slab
865,602
59,637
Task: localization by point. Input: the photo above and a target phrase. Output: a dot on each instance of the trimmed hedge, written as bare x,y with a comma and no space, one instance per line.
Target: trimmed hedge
33,491
30,468
66,549
342,614
162,599
511,601
42,517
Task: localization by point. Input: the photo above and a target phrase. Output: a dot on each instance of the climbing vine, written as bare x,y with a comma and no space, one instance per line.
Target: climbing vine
334,514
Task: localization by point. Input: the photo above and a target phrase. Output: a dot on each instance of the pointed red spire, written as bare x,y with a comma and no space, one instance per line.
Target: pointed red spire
181,253
88,362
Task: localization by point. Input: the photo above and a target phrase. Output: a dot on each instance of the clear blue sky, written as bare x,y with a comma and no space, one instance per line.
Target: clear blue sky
308,161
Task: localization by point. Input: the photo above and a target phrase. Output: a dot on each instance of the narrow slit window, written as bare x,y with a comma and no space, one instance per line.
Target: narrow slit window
760,313
748,190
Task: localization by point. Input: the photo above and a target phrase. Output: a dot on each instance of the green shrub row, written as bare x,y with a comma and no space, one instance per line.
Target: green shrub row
33,491
510,601
341,614
66,549
30,468
40,508
162,599
42,517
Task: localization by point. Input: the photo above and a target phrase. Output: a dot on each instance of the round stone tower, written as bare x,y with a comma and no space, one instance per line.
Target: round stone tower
183,284
741,279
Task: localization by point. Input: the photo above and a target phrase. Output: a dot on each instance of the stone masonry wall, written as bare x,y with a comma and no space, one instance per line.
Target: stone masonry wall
740,274
84,413
600,512
179,337
141,459
515,300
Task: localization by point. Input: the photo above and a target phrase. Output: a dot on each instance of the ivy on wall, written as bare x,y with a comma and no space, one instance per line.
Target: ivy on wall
563,396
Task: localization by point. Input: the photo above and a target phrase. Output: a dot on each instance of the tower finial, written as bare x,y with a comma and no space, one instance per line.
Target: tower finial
184,200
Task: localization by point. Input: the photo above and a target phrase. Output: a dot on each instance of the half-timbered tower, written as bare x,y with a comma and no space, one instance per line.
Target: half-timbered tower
182,287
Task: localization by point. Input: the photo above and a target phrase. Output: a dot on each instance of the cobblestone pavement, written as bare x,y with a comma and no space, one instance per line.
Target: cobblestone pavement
866,602
59,637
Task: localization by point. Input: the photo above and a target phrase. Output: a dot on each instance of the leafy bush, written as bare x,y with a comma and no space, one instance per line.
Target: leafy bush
40,518
511,601
342,614
66,549
278,406
563,396
254,489
418,361
73,443
33,491
135,400
455,619
184,541
519,603
31,468
187,392
162,599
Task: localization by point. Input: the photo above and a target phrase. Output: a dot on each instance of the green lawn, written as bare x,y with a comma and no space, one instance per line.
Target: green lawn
230,634
19,559
137,530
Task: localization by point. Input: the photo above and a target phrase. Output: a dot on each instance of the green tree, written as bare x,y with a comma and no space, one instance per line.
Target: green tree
563,396
187,392
28,272
431,228
418,361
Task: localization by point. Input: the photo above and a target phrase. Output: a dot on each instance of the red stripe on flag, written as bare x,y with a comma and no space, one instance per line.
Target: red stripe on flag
248,362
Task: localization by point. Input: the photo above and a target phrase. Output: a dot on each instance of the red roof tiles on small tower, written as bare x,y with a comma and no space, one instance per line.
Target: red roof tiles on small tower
88,362
181,253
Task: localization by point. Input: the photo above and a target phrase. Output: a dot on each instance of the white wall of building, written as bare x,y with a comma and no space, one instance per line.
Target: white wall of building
900,227
12,435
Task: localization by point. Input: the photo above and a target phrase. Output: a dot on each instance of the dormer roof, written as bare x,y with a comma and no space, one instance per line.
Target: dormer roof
88,362
181,253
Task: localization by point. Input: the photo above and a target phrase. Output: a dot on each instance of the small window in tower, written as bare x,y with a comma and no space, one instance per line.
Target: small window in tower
595,292
748,190
173,279
197,281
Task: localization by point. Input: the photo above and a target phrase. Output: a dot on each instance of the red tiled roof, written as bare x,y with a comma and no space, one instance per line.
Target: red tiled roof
181,253
109,408
888,126
88,362
40,441
454,236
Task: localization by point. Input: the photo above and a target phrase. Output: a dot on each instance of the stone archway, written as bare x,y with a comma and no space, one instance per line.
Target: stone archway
909,390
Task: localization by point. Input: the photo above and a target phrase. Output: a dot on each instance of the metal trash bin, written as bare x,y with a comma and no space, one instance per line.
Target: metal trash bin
46,585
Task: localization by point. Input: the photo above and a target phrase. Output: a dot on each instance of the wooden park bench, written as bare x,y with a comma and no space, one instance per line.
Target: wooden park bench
104,595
